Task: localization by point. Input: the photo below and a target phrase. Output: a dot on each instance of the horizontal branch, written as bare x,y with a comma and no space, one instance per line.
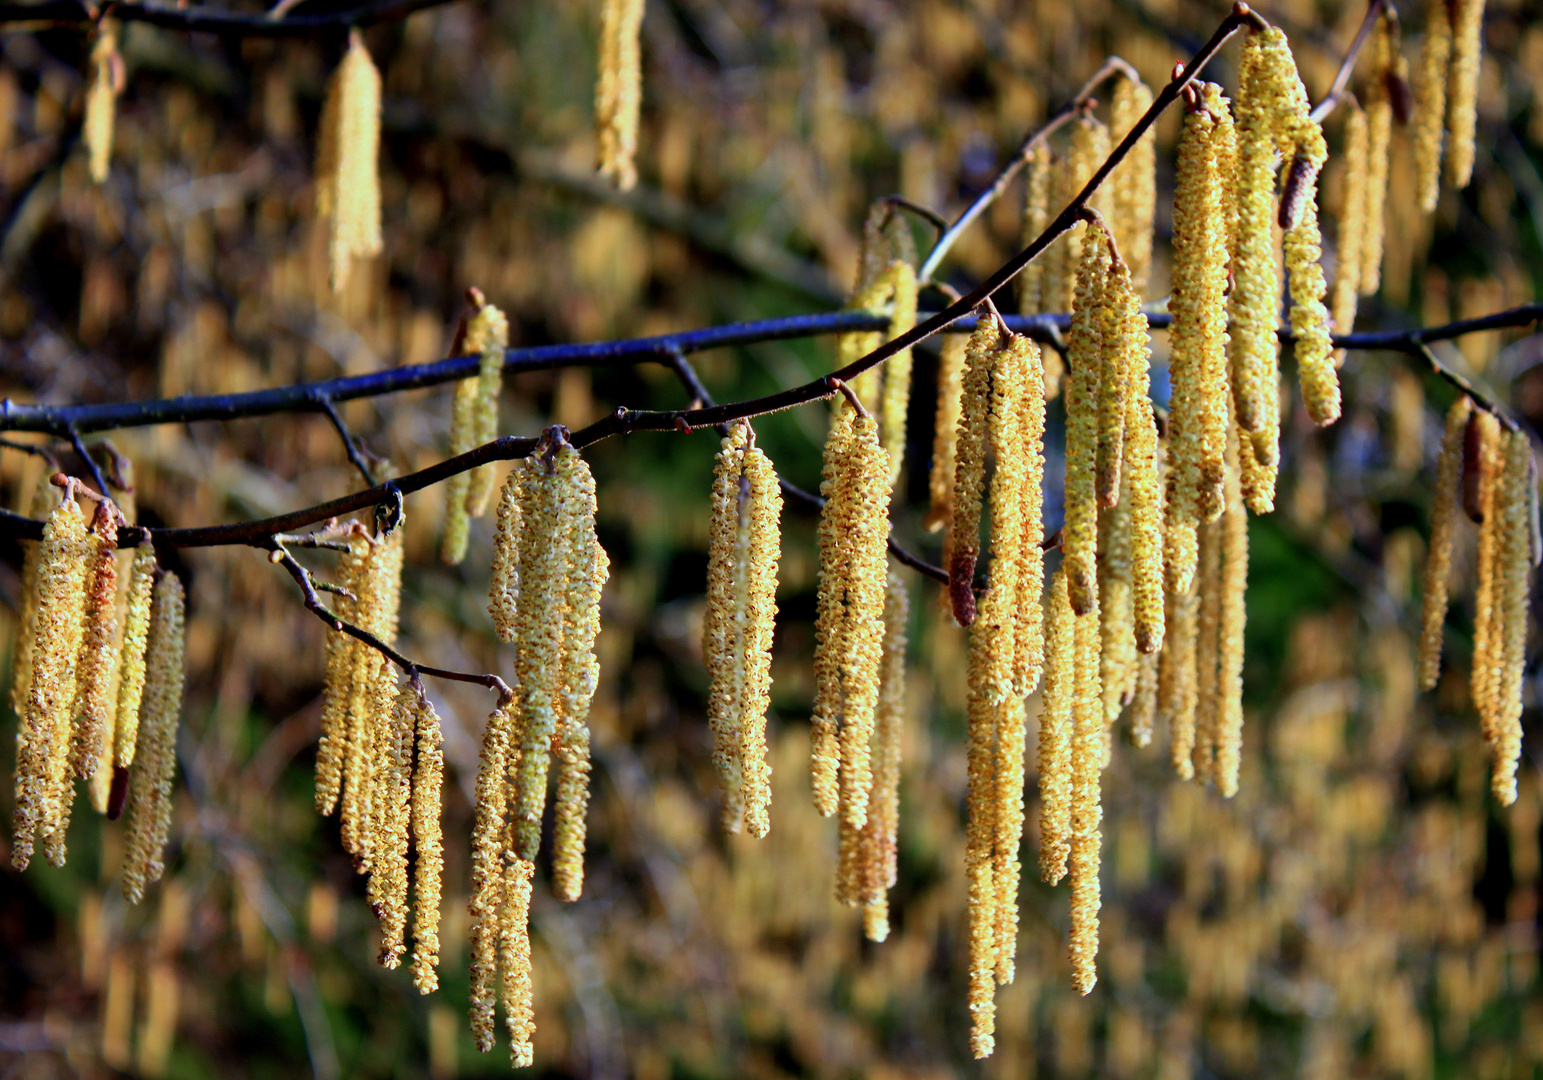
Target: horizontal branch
205,20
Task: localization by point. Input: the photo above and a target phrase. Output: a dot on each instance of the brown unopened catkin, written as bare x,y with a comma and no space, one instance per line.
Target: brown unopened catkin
155,762
347,177
1438,559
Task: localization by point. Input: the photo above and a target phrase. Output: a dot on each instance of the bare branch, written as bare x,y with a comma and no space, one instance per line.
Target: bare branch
207,21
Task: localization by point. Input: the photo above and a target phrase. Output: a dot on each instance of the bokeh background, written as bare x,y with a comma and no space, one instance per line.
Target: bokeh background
1361,908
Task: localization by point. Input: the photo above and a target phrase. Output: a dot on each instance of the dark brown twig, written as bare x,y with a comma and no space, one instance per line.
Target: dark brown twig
211,21
1347,66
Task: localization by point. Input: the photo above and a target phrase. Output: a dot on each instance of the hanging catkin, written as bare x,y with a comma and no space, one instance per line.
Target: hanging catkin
619,91
1089,148
428,845
474,421
980,844
487,871
1117,631
970,466
43,499
895,401
1229,656
332,749
1143,484
1029,646
1177,693
1114,381
830,613
940,479
42,745
1088,733
1430,102
131,664
104,81
1134,181
347,177
1055,733
1033,289
1197,419
1438,560
1208,616
504,575
99,648
1085,349
1463,89
1518,491
1483,458
727,561
1352,220
1310,319
1387,71
391,812
514,964
756,639
155,763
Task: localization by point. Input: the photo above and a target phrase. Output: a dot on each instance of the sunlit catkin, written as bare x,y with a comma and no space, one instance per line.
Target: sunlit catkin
765,544
970,466
1085,348
1114,382
347,177
619,91
428,846
1463,89
514,965
1229,655
1032,281
880,835
940,479
487,872
980,845
1055,733
1029,645
99,648
504,575
1310,319
1438,560
337,686
1088,734
131,663
1134,181
1143,486
1430,102
830,614
1089,147
1352,221
103,82
474,421
1386,63
1486,460
43,500
42,745
895,400
155,763
1515,572
1176,685
727,556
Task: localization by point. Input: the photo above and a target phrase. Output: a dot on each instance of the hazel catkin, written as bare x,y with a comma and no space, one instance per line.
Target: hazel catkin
1134,182
347,177
428,845
1033,292
474,421
487,871
131,662
1387,65
1438,560
830,614
1352,221
1310,319
155,763
1463,88
103,83
99,649
619,91
1430,103
970,466
940,478
1056,733
1085,349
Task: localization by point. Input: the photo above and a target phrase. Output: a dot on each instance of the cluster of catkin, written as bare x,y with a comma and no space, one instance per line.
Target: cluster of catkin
743,547
619,91
544,596
474,421
1446,95
1490,473
347,167
97,683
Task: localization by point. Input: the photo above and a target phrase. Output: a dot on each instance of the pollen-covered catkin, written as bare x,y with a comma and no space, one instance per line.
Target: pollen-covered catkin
980,845
1208,587
1487,462
504,575
1029,646
1310,319
1085,347
1134,181
1055,733
994,632
895,400
487,335
1008,820
1089,148
1463,89
1229,657
514,961
487,872
619,91
830,613
42,745
1143,707
1114,382
43,497
940,479
1143,485
155,763
347,180
970,466
1515,571
1352,221
1177,693
337,686
99,649
1033,282
102,86
727,556
131,664
879,839
1430,102
765,544
428,847
391,807
1088,734
1438,559
1387,65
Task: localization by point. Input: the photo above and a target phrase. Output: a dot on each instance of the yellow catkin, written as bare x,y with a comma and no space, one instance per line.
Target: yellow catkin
487,336
1055,733
1142,482
1114,381
102,84
619,91
1085,347
1463,89
1485,600
1176,688
864,488
99,648
895,400
337,686
1515,572
1134,181
830,615
487,873
1143,707
1352,221
940,479
1438,559
1117,654
159,1026
1029,644
43,499
1310,319
1198,335
391,808
1208,587
1088,734
1011,724
347,176
980,845
514,961
1430,102
727,551
587,569
377,589
42,745
1229,659
131,665
504,575
428,847
756,639
1089,147
1033,281
155,763
970,466
1387,66
880,835
994,632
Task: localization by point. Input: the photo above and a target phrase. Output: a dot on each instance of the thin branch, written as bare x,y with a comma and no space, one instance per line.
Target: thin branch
351,446
1342,79
95,470
208,21
902,556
